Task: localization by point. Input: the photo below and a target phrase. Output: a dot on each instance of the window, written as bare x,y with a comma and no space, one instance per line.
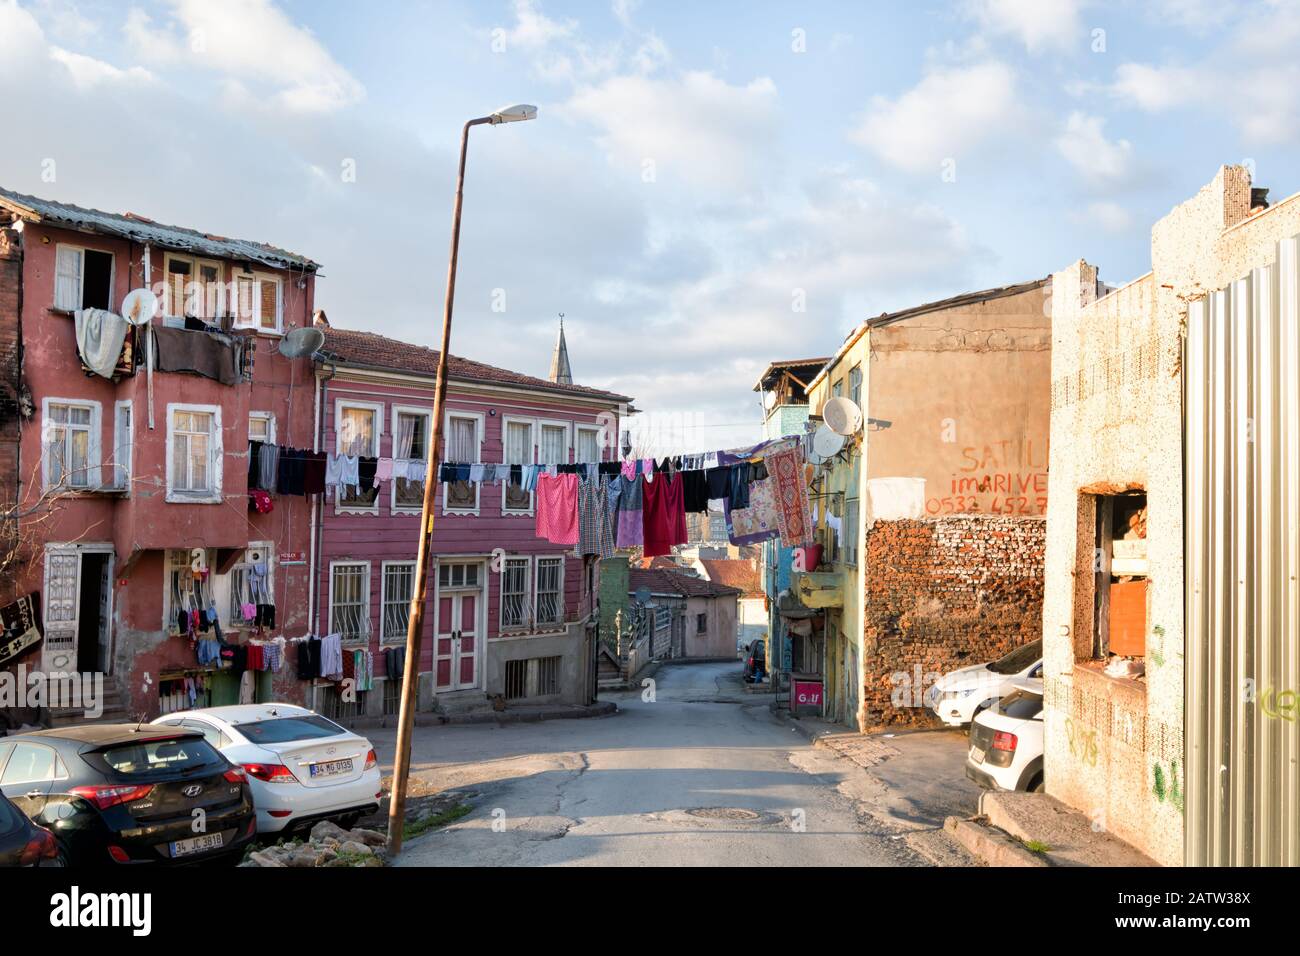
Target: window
194,288
1120,574
550,591
462,447
514,593
837,390
457,574
533,677
83,279
554,448
70,435
194,453
518,450
357,428
851,532
260,302
123,439
588,445
410,442
261,427
855,385
350,600
399,586
30,763
701,623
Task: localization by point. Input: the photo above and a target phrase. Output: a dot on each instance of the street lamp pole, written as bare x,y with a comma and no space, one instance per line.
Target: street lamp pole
415,623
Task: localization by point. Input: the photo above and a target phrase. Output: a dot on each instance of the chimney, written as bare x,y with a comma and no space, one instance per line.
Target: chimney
319,320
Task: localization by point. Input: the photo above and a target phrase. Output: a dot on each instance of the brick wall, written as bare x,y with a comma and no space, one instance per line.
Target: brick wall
11,264
943,593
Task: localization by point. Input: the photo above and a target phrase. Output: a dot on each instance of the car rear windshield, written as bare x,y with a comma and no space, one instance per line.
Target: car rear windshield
1018,659
1022,705
283,730
161,756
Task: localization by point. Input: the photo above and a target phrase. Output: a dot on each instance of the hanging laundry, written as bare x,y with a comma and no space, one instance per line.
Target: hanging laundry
695,491
384,470
557,508
209,354
268,464
719,482
100,335
309,658
739,490
663,515
629,533
595,534
291,472
331,656
313,476
791,488
757,523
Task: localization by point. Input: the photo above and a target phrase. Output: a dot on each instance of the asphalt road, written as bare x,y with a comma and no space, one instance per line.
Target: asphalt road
699,773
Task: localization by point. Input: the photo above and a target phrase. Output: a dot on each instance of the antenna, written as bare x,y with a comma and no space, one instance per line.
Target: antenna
301,342
139,307
842,416
826,443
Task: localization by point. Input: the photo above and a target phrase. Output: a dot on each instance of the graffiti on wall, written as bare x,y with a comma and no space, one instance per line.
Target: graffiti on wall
1083,742
1165,785
1007,476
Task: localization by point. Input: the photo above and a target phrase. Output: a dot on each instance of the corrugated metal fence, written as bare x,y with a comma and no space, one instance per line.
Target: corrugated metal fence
1242,446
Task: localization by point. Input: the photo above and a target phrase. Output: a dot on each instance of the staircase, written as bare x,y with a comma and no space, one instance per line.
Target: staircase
113,709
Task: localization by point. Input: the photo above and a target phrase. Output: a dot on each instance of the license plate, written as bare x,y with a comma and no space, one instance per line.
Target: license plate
195,845
976,755
331,768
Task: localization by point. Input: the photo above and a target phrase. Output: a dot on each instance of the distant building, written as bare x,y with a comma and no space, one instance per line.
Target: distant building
743,574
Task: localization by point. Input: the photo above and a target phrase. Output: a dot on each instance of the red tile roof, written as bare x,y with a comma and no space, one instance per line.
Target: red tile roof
663,581
736,573
369,349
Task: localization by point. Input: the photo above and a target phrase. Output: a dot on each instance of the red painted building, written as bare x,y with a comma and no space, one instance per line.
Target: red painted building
121,488
509,614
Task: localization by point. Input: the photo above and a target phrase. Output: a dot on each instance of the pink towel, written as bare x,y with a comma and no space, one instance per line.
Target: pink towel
557,508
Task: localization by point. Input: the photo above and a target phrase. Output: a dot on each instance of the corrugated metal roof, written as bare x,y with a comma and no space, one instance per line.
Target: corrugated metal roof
953,302
142,230
774,367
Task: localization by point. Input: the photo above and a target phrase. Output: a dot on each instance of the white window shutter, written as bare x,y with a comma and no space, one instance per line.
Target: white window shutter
67,279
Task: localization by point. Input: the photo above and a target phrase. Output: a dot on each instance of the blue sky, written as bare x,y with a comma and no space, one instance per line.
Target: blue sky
697,170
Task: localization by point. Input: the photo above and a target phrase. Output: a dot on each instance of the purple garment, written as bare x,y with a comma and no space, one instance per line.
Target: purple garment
630,533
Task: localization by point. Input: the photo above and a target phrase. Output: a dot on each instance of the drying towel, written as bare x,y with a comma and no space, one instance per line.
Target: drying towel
557,508
663,516
793,513
100,335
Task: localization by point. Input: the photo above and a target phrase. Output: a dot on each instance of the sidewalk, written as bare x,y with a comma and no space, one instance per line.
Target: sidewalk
511,715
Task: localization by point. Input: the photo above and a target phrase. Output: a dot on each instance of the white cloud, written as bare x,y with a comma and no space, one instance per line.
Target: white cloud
533,30
253,42
949,112
1084,144
87,72
1196,15
1039,24
696,128
1110,216
1157,88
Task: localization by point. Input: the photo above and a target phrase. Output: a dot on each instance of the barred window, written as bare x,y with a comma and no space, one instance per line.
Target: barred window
399,585
350,600
514,593
550,603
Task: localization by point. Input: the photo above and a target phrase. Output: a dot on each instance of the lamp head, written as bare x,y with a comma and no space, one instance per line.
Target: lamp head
514,114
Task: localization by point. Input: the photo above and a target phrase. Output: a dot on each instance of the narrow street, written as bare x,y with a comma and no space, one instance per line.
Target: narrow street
702,775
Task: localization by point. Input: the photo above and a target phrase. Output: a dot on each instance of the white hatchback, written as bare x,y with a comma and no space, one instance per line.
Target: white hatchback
302,767
959,695
1006,741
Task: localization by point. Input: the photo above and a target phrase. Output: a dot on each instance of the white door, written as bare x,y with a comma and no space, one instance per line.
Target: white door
62,591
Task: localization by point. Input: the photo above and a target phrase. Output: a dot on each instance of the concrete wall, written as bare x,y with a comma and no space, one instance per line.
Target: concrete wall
719,636
959,590
613,598
569,646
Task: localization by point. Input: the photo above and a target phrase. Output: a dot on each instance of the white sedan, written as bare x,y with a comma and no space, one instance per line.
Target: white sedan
961,694
1006,741
302,767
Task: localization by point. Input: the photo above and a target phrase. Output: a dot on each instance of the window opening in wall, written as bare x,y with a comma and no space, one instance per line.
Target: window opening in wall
1122,576
534,677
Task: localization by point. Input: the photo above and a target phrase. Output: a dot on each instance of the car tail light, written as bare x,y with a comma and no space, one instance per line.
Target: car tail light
269,772
1004,741
235,775
119,855
371,761
43,846
106,795
279,813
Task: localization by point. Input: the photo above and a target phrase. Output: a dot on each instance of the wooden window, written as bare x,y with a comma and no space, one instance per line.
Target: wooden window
83,279
518,451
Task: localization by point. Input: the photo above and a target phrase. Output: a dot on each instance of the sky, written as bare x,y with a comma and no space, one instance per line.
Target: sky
708,187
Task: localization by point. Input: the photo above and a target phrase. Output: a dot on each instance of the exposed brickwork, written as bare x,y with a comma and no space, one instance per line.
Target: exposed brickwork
944,593
11,264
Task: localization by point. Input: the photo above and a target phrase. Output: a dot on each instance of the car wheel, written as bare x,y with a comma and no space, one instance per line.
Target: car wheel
349,822
1036,785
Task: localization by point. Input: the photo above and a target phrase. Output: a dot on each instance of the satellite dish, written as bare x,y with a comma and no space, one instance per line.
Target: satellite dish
826,443
301,342
769,400
139,307
842,416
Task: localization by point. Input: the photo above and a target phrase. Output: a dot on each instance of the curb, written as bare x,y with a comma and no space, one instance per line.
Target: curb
990,844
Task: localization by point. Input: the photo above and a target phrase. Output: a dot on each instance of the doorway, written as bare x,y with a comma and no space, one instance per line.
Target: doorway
459,626
78,611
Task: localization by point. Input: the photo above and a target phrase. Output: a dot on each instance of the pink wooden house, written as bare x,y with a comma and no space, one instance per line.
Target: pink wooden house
509,614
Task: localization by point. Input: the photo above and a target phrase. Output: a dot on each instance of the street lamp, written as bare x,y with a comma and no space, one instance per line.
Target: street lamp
415,623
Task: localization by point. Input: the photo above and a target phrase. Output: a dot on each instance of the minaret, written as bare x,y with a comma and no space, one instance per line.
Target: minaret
560,371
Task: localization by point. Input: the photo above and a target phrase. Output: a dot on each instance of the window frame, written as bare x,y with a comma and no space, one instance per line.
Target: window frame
538,623
527,624
377,410
397,411
384,603
855,384
216,455
94,443
81,277
849,532
254,323
195,263
364,617
449,416
124,422
545,423
270,426
578,431
506,422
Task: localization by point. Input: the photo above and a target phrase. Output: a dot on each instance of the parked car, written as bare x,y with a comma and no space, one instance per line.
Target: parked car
302,767
961,694
127,793
1006,740
23,843
755,662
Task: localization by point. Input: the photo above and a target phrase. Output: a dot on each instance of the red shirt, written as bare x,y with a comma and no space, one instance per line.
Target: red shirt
663,514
